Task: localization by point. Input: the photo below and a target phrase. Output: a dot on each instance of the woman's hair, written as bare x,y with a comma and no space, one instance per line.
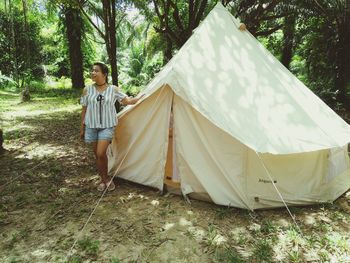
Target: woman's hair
104,69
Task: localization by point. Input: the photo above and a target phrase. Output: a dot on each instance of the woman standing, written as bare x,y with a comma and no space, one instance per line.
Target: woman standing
99,117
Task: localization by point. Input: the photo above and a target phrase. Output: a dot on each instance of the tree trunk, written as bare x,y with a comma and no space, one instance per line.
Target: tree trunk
24,5
1,141
288,40
113,39
13,43
109,14
25,94
74,24
168,51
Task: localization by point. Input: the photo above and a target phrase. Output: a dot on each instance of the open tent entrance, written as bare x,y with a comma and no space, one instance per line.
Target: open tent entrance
171,174
172,177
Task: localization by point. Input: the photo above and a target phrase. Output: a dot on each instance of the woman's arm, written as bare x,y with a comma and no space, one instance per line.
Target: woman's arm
130,100
83,102
82,126
125,100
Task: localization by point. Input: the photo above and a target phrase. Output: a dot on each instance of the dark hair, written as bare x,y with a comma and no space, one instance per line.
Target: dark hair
104,69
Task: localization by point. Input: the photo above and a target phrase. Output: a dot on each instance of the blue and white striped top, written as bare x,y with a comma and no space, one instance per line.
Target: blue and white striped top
100,111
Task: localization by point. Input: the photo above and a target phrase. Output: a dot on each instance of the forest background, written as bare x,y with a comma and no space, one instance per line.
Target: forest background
49,44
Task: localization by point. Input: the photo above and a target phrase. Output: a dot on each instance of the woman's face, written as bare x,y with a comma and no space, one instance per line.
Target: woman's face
97,75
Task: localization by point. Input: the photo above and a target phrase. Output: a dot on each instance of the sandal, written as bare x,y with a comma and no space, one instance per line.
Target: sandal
110,185
101,187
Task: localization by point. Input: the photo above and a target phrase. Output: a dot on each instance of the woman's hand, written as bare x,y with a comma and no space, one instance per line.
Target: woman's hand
138,98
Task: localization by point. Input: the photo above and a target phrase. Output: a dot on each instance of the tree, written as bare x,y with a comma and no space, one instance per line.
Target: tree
174,20
20,43
288,40
337,17
74,24
25,96
73,30
326,39
107,15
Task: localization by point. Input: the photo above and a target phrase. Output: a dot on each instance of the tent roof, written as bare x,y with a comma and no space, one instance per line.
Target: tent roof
232,80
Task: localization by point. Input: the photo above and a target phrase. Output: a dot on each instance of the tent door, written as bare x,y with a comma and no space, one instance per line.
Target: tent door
171,175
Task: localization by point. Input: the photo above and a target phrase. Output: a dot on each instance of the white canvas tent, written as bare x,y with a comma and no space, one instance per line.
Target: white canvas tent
240,119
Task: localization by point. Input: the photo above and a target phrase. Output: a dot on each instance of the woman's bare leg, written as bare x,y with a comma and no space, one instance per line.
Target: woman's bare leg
94,148
101,159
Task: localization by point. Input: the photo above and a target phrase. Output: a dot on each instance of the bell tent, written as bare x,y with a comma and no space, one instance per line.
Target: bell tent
226,121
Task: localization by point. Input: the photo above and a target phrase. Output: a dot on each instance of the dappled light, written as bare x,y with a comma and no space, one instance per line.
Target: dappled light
233,75
168,226
37,112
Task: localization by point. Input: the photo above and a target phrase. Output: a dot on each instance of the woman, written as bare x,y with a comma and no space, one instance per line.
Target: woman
99,118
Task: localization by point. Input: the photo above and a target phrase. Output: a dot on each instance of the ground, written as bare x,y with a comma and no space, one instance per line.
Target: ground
48,195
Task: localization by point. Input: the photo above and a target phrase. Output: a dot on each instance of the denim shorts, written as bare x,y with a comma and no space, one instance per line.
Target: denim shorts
98,134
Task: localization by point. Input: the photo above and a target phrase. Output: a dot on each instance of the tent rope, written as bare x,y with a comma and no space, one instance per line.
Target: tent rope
279,193
104,192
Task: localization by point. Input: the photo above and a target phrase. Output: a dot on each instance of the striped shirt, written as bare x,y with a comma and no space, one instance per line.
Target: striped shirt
100,111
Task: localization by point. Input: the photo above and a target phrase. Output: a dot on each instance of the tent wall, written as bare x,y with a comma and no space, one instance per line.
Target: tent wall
142,139
208,159
301,178
295,176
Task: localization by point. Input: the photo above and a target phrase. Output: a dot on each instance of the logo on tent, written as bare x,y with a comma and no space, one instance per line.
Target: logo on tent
267,181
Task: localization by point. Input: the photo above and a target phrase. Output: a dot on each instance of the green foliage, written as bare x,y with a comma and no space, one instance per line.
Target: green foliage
55,50
6,81
16,62
137,66
318,51
273,43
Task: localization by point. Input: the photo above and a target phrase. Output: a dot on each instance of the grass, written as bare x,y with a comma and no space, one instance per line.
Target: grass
75,259
89,246
16,237
87,250
268,227
294,256
222,213
228,255
263,251
211,234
